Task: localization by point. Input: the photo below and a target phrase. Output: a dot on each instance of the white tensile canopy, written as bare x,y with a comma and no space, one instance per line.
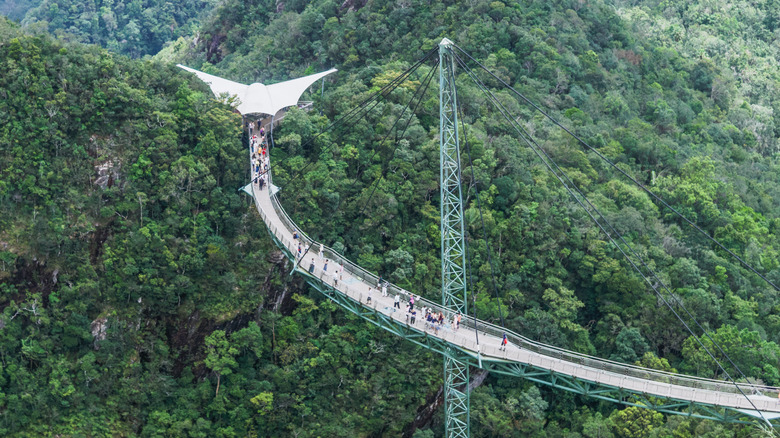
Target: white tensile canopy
258,98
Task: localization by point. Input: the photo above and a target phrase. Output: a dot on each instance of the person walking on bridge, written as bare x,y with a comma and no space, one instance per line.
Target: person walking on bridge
311,266
397,302
503,343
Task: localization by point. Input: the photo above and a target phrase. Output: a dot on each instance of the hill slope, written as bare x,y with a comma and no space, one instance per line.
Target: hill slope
119,184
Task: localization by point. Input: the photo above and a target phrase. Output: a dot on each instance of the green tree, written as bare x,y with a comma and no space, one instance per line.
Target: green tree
634,422
756,357
596,426
220,355
629,345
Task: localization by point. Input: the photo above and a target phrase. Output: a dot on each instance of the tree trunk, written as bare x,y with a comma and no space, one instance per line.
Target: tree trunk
218,379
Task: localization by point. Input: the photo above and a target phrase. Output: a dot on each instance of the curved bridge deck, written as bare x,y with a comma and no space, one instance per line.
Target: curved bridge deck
592,376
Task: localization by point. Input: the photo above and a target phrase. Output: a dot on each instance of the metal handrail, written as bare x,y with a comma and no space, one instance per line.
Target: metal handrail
484,327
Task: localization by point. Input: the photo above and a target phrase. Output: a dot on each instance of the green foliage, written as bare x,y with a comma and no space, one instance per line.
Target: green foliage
131,27
511,410
597,427
629,345
120,176
756,357
221,356
634,422
650,360
15,9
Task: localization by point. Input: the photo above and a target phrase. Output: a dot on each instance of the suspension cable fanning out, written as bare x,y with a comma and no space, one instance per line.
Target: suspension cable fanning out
481,216
571,188
360,111
624,173
424,88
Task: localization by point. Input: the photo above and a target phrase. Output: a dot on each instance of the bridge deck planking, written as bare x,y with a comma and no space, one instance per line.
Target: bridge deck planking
355,285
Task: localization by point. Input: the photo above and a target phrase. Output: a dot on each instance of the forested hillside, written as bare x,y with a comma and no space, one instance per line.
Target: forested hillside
16,9
134,28
135,277
136,281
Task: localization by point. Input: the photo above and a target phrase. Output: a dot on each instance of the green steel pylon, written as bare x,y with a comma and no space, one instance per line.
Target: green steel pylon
453,243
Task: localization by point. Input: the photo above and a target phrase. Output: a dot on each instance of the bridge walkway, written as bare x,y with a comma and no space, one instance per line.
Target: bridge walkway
355,285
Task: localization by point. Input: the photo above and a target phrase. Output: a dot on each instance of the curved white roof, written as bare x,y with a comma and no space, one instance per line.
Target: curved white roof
260,98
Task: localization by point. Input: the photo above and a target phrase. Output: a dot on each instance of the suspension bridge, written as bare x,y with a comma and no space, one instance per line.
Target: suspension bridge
477,343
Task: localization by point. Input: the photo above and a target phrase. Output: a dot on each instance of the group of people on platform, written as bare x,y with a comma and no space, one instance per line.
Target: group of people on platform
433,320
261,161
337,273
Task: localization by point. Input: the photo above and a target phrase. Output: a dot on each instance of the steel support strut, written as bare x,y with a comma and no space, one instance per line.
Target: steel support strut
453,243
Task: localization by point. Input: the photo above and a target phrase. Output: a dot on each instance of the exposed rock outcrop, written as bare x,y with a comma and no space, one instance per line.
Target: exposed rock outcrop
99,328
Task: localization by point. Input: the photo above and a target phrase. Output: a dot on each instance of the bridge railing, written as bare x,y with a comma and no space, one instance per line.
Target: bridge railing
495,333
620,368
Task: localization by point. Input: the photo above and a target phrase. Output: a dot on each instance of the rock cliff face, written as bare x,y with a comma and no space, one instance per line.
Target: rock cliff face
353,5
107,174
99,328
186,337
33,276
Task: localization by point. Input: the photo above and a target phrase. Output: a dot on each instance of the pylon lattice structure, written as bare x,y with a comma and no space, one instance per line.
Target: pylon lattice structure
453,243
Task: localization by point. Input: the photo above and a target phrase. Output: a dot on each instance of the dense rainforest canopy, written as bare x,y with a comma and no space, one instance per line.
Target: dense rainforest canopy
134,28
141,295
